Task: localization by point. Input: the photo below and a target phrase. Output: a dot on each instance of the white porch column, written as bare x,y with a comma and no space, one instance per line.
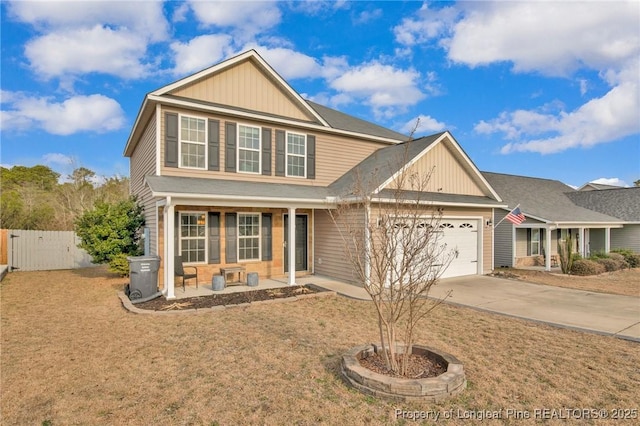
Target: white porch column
169,250
292,246
581,236
607,240
547,252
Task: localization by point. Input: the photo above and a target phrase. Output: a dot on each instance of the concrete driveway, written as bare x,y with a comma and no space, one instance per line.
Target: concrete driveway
600,313
607,314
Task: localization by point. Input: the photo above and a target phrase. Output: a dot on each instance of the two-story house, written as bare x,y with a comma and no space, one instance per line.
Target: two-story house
234,167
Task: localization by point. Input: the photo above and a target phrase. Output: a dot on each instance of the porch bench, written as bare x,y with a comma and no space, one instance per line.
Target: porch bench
232,270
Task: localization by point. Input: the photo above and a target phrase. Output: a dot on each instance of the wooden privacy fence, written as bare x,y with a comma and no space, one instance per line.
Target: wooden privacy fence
42,250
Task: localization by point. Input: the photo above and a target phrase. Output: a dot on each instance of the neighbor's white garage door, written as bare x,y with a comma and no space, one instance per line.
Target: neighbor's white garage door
463,235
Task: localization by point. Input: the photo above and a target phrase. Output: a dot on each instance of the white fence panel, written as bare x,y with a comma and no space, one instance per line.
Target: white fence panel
45,250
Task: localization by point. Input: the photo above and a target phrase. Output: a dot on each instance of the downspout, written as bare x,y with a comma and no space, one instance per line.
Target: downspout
169,249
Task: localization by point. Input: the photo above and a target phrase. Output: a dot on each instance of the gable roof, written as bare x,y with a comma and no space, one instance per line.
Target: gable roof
375,172
544,199
592,186
321,118
623,203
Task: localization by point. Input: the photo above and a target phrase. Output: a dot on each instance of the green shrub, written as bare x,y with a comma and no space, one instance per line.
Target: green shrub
629,256
119,264
586,267
599,255
609,265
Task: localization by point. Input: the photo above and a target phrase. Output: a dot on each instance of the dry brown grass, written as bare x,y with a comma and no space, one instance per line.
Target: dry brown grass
625,282
72,355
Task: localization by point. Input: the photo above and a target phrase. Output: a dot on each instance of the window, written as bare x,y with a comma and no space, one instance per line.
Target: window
192,142
193,236
248,149
249,236
535,241
296,154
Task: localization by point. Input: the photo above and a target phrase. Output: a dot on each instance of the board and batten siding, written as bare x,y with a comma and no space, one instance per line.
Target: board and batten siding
335,155
245,86
331,259
141,164
447,173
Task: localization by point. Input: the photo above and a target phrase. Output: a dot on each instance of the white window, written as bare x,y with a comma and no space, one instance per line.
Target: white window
192,142
193,237
535,241
296,154
249,149
249,236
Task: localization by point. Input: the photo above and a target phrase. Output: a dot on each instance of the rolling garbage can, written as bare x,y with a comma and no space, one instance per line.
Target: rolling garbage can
143,276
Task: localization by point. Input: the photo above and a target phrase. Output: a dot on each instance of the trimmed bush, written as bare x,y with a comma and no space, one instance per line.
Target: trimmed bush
609,265
629,256
586,267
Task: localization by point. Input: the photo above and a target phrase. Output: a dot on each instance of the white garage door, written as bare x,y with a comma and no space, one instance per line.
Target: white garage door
461,234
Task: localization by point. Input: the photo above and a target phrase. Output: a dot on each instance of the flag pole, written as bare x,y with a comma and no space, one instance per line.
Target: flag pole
505,216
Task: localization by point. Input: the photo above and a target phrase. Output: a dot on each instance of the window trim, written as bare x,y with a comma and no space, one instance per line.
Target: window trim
287,154
238,148
205,237
239,237
533,241
204,143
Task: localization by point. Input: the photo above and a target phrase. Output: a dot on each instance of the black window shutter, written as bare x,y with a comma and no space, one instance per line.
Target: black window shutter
267,238
231,237
214,237
214,145
528,241
266,151
230,147
171,139
280,153
311,157
176,235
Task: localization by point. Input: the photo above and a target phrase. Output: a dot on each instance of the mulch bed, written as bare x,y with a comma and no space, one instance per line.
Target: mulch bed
226,299
420,367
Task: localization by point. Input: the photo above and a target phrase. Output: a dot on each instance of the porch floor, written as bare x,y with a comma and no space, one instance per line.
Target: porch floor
206,289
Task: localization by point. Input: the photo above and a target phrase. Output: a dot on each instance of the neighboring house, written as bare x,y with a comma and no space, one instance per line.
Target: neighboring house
551,215
234,167
623,203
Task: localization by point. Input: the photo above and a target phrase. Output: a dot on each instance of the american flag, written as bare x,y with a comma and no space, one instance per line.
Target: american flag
515,216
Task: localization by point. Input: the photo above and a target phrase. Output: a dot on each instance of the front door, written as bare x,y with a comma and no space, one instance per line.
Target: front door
301,242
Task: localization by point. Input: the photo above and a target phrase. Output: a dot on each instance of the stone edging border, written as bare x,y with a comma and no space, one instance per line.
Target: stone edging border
126,303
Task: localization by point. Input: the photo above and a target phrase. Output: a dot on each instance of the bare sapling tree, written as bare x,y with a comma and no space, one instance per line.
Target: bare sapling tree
393,240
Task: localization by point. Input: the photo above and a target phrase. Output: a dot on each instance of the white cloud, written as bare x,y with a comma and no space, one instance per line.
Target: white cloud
77,38
247,18
57,158
427,25
93,113
88,50
601,120
200,52
610,181
367,16
381,86
423,124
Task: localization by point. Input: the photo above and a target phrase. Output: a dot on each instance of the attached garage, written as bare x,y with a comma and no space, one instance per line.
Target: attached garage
461,234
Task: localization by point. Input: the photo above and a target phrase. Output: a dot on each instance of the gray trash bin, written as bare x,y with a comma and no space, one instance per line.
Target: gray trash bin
143,275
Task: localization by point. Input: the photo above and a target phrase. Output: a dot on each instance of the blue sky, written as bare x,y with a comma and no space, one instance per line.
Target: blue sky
540,89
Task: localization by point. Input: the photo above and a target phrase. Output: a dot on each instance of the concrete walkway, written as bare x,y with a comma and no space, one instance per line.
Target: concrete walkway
600,313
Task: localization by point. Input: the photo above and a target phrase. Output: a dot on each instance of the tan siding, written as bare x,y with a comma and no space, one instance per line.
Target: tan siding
331,259
245,86
448,176
141,164
335,155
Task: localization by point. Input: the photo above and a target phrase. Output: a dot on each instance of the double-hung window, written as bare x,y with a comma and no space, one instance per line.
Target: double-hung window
296,154
193,237
535,241
249,149
192,142
249,236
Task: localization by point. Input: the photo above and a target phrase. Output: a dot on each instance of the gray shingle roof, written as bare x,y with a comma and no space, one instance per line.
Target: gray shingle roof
381,165
342,121
623,203
223,187
543,198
